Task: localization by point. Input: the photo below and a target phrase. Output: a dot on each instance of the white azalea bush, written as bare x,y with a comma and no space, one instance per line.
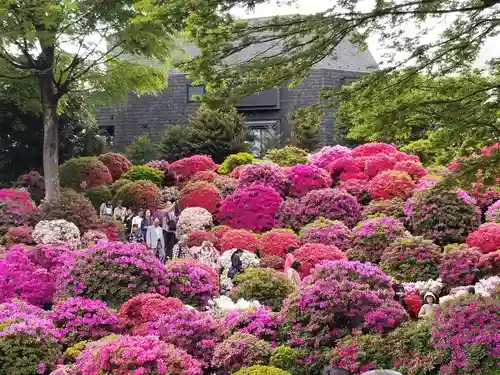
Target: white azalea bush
193,219
57,232
170,194
249,260
223,305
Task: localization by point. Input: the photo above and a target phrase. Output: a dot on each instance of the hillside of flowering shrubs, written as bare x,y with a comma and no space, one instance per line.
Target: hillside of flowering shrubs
370,231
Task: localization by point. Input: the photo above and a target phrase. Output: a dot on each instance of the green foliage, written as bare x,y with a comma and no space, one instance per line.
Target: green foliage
265,285
235,160
141,150
285,358
306,125
287,156
141,172
213,132
260,370
115,186
99,194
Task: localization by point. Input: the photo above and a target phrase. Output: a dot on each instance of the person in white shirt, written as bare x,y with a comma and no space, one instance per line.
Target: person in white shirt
155,240
137,219
106,209
119,212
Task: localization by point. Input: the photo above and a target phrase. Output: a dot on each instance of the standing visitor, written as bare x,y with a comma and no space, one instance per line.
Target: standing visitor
292,274
128,220
207,254
136,235
170,215
106,210
181,249
290,258
146,222
119,212
155,241
137,219
236,264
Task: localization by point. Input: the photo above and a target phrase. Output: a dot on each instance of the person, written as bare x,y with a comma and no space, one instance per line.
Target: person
119,212
128,220
136,235
236,264
292,274
336,371
181,249
207,254
471,290
399,294
137,219
170,216
146,222
106,209
290,258
381,372
430,304
155,240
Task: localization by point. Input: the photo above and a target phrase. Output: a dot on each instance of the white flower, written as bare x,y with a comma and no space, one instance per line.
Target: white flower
486,287
193,219
433,286
222,305
170,194
57,232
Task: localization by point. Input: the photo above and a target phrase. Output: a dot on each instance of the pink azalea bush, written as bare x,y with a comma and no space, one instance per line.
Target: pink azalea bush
458,266
391,184
414,169
187,167
252,208
486,238
276,243
305,178
485,195
327,232
239,238
345,164
309,255
268,174
328,154
356,187
377,164
371,149
489,264
260,322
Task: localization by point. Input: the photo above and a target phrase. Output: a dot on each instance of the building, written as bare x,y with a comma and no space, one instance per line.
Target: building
266,112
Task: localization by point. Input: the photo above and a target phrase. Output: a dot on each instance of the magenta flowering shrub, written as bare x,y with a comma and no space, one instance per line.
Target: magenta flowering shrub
345,164
378,163
193,282
136,355
268,174
158,164
311,254
371,149
16,209
338,298
80,319
414,169
113,272
261,322
328,154
391,184
195,332
327,232
358,188
52,258
412,259
467,330
238,351
305,178
252,208
493,213
458,266
486,238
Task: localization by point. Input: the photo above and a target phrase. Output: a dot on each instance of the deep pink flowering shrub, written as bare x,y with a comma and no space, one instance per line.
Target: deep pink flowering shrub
252,208
357,188
187,167
193,282
275,262
346,176
113,272
16,209
392,207
467,330
415,170
486,238
458,266
327,232
198,237
338,298
403,156
126,355
207,176
240,350
200,194
371,149
239,238
485,195
80,319
116,163
378,163
276,242
345,164
195,332
309,255
304,178
268,174
391,184
493,213
261,322
411,259
489,264
328,154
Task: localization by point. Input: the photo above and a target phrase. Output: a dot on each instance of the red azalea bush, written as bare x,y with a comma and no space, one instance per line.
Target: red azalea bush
391,184
84,172
19,235
489,264
197,238
378,163
268,174
328,155
116,163
311,254
458,266
252,208
345,164
193,282
34,183
110,228
372,149
239,238
276,243
16,208
207,176
140,194
187,167
357,188
200,194
486,238
415,170
305,178
275,262
327,232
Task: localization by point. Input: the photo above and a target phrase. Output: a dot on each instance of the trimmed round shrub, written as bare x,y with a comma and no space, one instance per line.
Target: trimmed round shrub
276,242
16,209
197,239
493,213
371,149
187,167
345,164
34,183
412,259
327,232
328,154
92,237
414,169
238,351
287,358
193,282
489,264
207,176
144,355
377,164
239,239
113,272
305,178
79,319
486,238
84,172
467,331
338,298
200,194
265,285
391,184
143,173
113,229
458,266
117,185
193,219
275,262
260,322
140,194
252,208
226,185
235,160
309,255
287,156
57,232
443,216
28,343
268,174
357,188
116,163
98,195
261,370
170,194
392,207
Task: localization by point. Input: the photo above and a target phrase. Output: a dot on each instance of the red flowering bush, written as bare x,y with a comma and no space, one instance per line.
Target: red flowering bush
357,188
16,209
415,170
268,174
486,238
391,184
328,155
110,228
372,149
34,183
275,262
239,238
252,208
200,194
378,163
84,172
197,238
187,167
276,243
304,178
327,232
193,282
412,259
458,266
309,255
489,264
116,163
140,194
345,164
19,235
207,176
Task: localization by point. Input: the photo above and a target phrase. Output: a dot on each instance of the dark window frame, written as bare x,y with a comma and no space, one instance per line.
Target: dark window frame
190,98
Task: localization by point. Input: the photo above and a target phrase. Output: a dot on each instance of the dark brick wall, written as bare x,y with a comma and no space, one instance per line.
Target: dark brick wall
150,114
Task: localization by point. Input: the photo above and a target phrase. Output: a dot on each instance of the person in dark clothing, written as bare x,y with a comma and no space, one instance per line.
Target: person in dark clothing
336,371
136,235
236,264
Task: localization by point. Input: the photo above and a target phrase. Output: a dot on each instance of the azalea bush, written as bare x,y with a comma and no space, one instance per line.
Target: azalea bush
372,149
358,188
378,163
268,174
309,255
235,160
116,163
197,239
170,194
34,183
226,185
493,212
275,262
84,172
239,238
328,154
261,370
57,232
142,172
276,243
414,169
391,184
139,194
92,237
207,176
200,194
341,166
158,164
287,156
485,195
16,209
393,207
116,185
18,235
193,219
489,264
187,167
113,229
99,194
486,238
304,178
327,232
260,322
458,266
248,260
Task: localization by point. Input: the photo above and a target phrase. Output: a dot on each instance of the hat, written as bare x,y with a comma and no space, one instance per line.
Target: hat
431,295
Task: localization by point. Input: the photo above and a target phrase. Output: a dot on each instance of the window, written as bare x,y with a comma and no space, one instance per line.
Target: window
194,92
265,136
109,133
